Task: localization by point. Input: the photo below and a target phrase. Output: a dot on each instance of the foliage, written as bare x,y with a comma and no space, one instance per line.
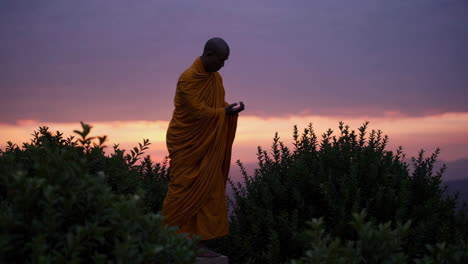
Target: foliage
64,201
374,244
333,178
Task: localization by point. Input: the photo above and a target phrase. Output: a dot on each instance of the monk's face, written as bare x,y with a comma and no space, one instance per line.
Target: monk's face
216,60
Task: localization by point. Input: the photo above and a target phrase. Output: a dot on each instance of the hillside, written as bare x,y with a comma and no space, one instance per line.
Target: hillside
460,186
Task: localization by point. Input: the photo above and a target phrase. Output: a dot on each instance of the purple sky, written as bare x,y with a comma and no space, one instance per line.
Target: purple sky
103,60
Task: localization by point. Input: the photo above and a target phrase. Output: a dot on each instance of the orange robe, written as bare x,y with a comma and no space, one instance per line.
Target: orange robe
199,140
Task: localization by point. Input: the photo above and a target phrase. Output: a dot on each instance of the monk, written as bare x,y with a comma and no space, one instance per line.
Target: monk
199,140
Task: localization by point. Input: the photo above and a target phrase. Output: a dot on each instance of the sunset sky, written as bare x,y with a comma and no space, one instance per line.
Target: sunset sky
402,65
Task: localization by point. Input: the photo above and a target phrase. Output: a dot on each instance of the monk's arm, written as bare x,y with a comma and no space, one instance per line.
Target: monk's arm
195,106
205,111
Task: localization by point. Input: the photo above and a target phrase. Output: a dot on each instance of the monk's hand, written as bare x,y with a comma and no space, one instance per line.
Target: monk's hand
232,110
241,107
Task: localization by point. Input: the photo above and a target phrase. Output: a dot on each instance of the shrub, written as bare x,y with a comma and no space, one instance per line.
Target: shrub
64,201
333,178
374,244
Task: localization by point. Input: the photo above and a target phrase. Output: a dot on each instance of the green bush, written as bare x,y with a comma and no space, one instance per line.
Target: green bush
333,178
374,244
64,201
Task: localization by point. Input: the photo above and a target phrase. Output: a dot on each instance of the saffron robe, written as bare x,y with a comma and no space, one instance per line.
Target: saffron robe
199,140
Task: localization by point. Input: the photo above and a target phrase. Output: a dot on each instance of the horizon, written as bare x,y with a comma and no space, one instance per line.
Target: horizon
249,137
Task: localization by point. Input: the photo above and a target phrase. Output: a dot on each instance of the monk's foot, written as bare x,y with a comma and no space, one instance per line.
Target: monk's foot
204,252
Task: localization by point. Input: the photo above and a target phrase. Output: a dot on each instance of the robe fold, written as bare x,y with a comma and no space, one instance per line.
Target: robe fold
199,140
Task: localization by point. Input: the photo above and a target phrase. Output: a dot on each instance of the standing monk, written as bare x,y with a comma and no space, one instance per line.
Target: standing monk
199,140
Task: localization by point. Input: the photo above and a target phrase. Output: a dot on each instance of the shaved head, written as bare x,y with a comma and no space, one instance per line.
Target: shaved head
217,46
215,53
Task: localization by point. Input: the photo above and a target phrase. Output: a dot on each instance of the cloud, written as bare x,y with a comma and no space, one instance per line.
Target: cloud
107,60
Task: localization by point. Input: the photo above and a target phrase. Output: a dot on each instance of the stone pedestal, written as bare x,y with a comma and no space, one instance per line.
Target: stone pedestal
218,260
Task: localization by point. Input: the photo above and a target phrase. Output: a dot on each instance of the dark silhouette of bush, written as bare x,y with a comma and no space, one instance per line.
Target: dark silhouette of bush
64,201
333,178
374,244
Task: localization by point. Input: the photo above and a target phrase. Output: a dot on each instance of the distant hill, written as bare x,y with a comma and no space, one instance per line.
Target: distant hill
456,178
460,186
456,170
